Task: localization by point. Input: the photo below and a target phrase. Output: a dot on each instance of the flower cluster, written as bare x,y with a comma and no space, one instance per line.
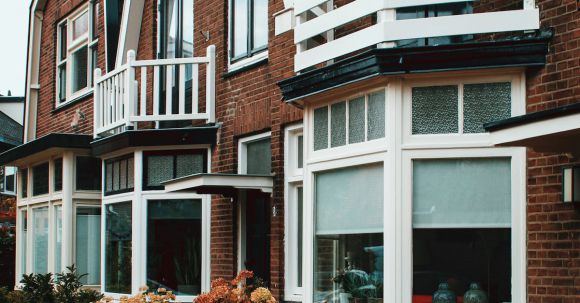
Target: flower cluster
236,291
160,296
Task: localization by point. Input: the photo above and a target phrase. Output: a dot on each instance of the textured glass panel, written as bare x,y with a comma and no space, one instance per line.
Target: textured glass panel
58,238
109,172
300,150
189,164
462,193
174,230
483,103
130,173
321,128
259,157
88,244
123,177
376,116
80,26
118,241
356,120
116,175
434,110
40,240
338,124
159,169
350,200
40,179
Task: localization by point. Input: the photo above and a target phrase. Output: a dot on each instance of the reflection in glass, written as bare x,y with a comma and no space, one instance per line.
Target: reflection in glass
240,27
118,241
260,26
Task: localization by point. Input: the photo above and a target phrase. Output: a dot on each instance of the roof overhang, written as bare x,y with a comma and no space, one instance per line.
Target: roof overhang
521,52
206,135
554,130
51,143
224,184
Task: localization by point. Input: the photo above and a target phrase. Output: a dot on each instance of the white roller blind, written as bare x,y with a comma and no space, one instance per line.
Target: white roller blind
462,193
350,200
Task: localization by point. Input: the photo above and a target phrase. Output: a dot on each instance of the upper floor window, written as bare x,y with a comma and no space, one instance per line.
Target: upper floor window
248,28
8,180
76,53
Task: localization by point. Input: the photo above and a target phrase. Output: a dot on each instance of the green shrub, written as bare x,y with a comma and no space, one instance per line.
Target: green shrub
38,288
68,288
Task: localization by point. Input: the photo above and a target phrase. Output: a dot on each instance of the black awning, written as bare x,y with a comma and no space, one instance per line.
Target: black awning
50,141
224,184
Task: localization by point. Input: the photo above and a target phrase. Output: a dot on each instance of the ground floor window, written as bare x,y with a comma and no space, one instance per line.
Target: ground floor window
174,245
348,255
118,242
88,244
40,240
58,238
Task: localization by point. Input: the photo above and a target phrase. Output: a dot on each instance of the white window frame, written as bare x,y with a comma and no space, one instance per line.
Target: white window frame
86,40
14,183
242,150
293,180
236,64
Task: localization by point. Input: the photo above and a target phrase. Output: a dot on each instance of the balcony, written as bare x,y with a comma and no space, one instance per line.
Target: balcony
324,33
150,92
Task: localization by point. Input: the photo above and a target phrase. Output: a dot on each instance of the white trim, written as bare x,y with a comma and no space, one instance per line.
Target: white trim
189,183
242,154
241,63
536,129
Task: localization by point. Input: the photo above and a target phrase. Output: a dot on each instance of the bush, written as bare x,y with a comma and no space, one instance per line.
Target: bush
38,288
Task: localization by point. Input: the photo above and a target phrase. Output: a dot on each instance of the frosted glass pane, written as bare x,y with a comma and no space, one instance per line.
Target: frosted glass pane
350,200
376,116
461,193
189,164
338,124
40,240
483,103
259,157
159,169
116,175
123,184
109,180
434,109
130,172
321,128
356,120
88,243
58,239
24,229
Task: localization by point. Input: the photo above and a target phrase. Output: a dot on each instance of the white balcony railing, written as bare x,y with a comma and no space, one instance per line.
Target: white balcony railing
388,29
121,96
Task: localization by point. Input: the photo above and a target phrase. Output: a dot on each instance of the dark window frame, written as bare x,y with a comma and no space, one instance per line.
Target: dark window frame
173,153
112,161
250,51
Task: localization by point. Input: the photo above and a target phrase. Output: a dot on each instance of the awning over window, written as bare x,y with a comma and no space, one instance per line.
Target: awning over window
554,130
224,184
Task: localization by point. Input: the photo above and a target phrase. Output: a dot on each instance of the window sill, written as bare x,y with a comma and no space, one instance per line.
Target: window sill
74,100
246,64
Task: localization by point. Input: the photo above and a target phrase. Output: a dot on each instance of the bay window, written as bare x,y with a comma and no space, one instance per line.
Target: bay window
118,247
40,179
76,53
40,240
88,243
57,239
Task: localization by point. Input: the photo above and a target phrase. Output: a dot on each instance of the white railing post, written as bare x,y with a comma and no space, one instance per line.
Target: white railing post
384,16
97,103
129,89
210,83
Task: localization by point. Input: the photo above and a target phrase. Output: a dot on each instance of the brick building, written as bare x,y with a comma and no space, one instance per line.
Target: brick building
342,150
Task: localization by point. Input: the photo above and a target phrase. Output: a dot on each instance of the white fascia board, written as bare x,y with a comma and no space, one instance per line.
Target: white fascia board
263,183
536,129
130,29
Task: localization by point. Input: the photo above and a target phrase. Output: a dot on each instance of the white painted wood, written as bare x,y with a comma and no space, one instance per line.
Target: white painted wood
182,89
168,89
536,129
194,88
301,6
143,102
173,117
129,88
283,21
98,102
176,61
67,208
191,183
156,90
210,84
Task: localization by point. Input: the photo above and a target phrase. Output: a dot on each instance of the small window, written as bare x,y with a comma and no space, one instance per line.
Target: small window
163,166
40,179
259,157
24,182
88,173
58,174
119,175
249,28
365,122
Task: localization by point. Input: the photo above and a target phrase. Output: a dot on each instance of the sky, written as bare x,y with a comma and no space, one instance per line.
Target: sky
13,45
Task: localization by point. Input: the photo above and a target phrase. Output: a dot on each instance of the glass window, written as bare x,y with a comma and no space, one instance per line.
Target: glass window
376,116
249,22
174,245
348,261
461,227
40,240
118,241
57,238
300,151
435,109
88,244
88,173
58,174
8,179
321,128
259,157
23,239
40,179
119,175
113,11
483,103
164,166
338,124
300,224
356,120
24,182
80,26
79,69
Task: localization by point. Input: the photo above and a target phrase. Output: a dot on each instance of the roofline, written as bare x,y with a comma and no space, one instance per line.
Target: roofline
533,117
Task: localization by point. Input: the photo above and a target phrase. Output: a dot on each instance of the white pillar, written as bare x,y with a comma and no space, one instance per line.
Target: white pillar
67,208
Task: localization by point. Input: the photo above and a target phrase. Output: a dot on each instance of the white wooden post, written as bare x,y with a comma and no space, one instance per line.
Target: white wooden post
67,208
384,16
210,83
129,89
97,103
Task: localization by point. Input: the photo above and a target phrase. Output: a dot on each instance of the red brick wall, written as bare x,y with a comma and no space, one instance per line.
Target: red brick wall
553,227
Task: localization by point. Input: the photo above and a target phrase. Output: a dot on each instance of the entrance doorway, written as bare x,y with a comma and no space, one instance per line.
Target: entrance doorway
254,252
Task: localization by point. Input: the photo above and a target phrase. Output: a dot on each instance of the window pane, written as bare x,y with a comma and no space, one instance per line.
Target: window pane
95,29
483,103
356,120
24,182
460,257
159,169
58,174
63,41
10,178
130,173
260,23
434,109
40,240
79,69
299,192
88,244
80,26
300,151
23,237
240,27
350,200
109,177
321,128
376,116
188,165
118,241
171,27
338,124
58,239
62,82
174,245
95,60
259,157
449,193
116,175
187,29
123,174
88,173
40,179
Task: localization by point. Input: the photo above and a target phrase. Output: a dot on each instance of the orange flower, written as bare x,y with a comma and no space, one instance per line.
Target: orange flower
242,276
219,282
